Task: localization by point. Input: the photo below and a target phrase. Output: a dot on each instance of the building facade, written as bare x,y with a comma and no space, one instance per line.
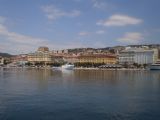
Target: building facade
1,60
71,59
39,57
106,59
139,56
42,55
19,59
156,55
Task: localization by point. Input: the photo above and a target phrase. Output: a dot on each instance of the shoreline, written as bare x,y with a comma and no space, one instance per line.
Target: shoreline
131,69
82,68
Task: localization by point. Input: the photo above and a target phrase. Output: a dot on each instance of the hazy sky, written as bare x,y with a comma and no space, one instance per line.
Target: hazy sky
59,24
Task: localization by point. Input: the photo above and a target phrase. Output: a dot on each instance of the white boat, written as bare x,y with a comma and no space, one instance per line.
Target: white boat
68,66
155,66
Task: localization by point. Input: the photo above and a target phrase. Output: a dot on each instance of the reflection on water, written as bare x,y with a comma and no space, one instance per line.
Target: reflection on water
79,94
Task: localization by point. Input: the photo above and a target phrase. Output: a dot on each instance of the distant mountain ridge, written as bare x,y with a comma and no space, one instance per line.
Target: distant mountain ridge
5,55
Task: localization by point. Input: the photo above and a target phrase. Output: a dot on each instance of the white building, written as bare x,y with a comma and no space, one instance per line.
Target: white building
126,57
155,56
136,55
1,60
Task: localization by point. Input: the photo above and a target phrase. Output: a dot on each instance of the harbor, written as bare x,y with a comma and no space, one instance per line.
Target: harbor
42,93
79,60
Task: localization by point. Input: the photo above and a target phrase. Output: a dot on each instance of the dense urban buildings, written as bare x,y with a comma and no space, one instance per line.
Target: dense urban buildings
118,55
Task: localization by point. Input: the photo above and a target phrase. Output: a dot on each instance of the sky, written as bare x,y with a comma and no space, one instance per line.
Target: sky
60,24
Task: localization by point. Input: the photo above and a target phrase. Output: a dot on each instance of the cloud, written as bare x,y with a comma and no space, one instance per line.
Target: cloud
100,32
84,33
119,20
131,37
16,42
18,38
54,13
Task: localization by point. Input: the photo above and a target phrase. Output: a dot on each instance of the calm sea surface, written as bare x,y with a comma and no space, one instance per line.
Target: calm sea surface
39,94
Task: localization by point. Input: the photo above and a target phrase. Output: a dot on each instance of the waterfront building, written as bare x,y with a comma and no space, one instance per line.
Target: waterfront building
42,55
97,58
39,57
126,57
71,58
19,59
136,55
58,59
1,60
155,55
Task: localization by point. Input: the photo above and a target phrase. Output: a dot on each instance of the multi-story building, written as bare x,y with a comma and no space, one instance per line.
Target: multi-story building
1,60
39,57
58,59
136,55
126,57
19,59
70,58
97,58
42,55
155,55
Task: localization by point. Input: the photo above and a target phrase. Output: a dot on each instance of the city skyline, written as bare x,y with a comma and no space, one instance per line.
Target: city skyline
25,25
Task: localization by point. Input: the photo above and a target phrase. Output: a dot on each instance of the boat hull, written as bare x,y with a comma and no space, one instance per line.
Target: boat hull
68,67
155,67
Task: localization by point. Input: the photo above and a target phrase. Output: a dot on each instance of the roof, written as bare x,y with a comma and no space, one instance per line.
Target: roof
136,50
97,56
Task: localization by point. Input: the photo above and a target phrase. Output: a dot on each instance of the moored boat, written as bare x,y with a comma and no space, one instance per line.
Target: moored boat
68,66
155,66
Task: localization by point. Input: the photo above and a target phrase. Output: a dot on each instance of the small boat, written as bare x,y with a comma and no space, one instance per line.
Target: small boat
68,67
155,66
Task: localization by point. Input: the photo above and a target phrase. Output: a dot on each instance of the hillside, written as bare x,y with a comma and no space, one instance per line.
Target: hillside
5,55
